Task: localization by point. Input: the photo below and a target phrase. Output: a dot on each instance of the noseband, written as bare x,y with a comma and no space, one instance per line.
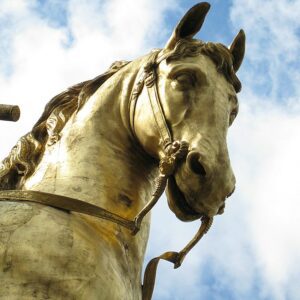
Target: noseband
174,151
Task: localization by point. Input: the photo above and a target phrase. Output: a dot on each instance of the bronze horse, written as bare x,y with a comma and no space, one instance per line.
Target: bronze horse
95,152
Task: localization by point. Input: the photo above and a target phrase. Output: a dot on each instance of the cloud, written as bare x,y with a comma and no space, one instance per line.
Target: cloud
270,123
273,44
269,185
40,57
252,251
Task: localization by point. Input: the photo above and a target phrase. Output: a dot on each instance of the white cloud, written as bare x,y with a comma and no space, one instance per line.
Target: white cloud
254,247
252,251
269,128
41,65
273,43
271,144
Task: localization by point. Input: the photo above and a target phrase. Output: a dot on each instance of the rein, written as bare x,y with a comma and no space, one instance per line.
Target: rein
174,151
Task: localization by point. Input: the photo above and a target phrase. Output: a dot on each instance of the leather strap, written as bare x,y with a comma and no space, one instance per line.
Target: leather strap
66,203
148,78
174,257
158,113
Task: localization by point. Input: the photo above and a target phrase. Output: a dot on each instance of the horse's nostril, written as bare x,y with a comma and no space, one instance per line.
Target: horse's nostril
195,164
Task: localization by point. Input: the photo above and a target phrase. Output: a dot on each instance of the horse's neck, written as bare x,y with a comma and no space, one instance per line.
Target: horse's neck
95,159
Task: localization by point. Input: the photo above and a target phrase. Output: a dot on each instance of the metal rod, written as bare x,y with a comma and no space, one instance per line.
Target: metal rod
9,112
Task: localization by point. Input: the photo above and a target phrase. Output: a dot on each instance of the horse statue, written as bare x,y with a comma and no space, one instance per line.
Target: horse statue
76,190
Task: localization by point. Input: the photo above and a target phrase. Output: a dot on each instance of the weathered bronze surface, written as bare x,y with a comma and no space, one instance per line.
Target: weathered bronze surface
101,142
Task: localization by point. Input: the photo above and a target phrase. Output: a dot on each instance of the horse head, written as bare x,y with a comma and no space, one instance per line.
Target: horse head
197,87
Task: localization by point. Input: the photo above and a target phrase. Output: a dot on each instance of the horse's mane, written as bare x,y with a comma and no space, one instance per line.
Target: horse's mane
27,153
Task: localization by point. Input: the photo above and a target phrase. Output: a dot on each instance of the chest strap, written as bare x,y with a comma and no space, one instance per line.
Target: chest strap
65,203
71,204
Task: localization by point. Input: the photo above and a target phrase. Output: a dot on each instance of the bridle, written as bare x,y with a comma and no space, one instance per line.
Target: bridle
174,151
148,78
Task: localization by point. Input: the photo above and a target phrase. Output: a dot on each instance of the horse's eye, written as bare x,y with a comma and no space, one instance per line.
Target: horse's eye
232,116
184,80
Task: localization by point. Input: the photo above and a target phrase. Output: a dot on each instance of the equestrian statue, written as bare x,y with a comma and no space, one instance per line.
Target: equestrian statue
76,191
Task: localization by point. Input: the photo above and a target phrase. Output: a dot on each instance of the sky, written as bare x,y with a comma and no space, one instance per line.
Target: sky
253,249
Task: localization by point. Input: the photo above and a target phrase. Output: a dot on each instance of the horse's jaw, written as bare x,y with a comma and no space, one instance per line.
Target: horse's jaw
193,199
178,203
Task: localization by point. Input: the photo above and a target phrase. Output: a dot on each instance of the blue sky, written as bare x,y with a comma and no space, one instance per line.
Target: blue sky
253,250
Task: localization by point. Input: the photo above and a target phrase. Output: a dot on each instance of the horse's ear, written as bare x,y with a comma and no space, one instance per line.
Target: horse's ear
237,49
189,25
